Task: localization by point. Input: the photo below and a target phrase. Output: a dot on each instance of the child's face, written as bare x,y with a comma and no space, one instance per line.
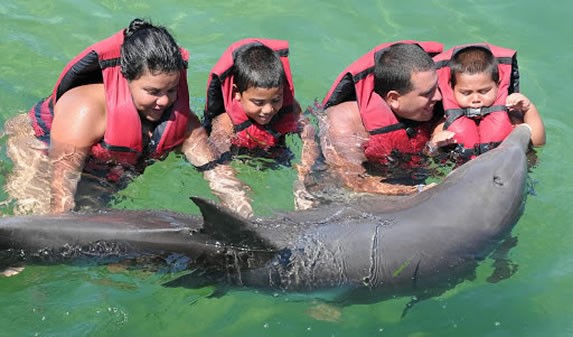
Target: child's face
475,90
261,104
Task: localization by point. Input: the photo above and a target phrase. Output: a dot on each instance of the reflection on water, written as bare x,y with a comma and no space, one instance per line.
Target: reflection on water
29,182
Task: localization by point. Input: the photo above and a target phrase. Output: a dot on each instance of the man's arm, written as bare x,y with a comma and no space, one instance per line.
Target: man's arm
342,139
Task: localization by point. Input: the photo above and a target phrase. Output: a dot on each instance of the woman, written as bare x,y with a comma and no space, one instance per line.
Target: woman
117,106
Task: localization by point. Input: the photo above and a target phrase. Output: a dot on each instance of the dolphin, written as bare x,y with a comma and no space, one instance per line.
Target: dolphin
375,245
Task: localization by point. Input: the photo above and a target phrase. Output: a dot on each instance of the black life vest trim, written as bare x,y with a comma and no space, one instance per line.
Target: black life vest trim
85,71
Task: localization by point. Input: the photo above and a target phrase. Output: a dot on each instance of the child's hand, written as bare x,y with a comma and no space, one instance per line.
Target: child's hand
438,140
443,138
518,102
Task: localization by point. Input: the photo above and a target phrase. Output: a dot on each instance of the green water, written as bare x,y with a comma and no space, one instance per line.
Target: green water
38,37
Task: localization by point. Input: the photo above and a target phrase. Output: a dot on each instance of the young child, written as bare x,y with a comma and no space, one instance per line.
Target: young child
250,104
480,85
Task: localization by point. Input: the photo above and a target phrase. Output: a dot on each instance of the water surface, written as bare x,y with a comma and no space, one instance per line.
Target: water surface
40,37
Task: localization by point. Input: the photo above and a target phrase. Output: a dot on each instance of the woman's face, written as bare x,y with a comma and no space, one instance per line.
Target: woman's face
152,94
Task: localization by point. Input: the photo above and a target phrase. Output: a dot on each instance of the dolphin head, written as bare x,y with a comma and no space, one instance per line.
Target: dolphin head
495,180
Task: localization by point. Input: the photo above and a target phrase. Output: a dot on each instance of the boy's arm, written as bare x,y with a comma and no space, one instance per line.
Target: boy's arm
342,140
519,103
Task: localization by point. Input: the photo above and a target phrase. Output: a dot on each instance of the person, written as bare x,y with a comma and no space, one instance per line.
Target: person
250,104
480,85
117,107
379,114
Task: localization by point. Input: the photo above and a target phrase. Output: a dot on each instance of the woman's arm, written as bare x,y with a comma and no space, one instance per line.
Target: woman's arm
222,131
79,123
222,178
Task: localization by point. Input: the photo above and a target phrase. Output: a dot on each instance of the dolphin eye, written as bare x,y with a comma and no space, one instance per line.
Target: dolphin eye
497,180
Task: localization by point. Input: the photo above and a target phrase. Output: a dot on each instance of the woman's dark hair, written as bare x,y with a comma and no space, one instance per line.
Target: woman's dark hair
473,60
258,66
149,48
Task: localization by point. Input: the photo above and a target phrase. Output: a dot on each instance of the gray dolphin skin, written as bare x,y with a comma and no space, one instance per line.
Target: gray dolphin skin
375,245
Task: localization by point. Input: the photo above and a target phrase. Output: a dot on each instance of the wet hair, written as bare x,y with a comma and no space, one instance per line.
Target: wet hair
395,65
258,66
148,48
473,60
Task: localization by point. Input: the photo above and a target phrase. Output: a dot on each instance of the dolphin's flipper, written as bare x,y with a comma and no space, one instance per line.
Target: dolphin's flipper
224,225
504,268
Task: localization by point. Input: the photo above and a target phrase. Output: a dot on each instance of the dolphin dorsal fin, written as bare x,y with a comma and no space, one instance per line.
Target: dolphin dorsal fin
224,225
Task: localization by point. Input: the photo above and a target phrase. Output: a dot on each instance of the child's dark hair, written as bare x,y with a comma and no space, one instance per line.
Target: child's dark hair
473,60
149,48
395,65
258,66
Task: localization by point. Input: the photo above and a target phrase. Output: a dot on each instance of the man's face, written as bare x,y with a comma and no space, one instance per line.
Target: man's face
418,104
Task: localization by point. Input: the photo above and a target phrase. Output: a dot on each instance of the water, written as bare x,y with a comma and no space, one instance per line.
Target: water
39,37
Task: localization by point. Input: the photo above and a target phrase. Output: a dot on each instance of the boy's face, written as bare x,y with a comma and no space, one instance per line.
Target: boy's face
475,90
261,104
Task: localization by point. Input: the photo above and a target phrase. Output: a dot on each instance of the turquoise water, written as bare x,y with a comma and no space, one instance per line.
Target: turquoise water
39,37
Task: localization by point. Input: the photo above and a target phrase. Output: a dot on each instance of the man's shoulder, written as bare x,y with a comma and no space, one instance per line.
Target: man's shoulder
344,108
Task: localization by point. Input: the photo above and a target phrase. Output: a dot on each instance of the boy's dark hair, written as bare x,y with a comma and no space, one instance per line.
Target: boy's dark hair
151,48
395,65
258,66
473,60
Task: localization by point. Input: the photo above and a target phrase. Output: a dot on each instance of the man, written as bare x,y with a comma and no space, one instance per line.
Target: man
380,113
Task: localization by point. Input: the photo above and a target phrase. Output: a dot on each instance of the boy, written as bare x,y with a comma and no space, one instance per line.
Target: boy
479,85
250,103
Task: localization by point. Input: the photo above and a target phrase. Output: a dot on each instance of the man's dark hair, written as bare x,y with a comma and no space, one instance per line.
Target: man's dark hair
258,66
395,65
149,48
473,60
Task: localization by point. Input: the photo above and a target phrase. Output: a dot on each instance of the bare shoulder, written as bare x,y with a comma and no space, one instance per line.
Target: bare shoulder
345,117
344,111
80,115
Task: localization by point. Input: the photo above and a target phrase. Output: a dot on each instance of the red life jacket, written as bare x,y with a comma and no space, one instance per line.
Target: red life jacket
220,99
122,142
479,130
387,134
